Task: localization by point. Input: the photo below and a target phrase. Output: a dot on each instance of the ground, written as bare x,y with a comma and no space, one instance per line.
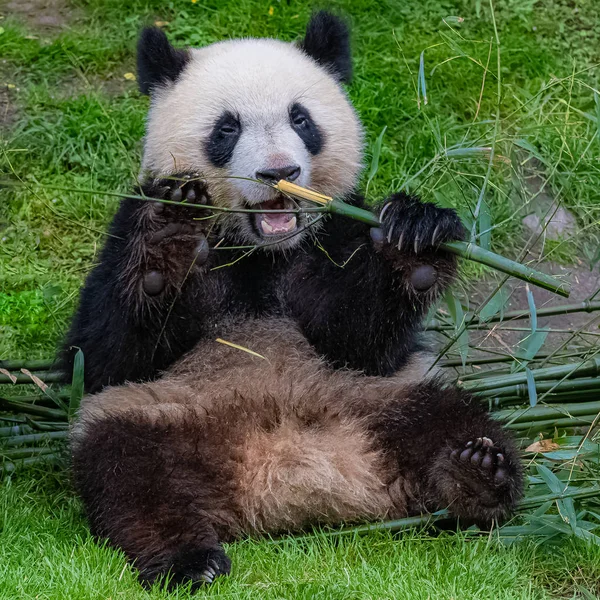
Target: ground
429,71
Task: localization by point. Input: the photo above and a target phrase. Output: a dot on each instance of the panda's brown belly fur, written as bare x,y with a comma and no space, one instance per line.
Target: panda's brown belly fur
285,427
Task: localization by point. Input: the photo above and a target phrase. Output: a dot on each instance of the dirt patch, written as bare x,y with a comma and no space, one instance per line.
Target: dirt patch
44,16
501,337
585,282
8,109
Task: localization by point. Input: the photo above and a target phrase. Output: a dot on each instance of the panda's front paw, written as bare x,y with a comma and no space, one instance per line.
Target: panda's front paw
412,227
175,237
188,190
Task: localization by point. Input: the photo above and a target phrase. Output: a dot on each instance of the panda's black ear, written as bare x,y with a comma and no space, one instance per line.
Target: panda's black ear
157,61
327,40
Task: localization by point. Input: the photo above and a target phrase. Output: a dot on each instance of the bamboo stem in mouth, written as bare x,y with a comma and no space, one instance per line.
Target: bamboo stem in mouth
466,250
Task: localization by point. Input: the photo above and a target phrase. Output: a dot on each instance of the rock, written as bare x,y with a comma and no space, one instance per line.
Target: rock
558,222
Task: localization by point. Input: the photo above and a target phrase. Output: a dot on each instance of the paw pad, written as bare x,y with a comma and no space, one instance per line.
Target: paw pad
481,453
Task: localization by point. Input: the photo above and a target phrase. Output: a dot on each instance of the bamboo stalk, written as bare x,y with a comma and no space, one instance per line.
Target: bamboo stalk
513,315
62,395
44,459
14,453
500,358
520,391
543,412
501,402
29,438
548,424
465,250
31,365
536,501
32,409
396,525
46,377
588,368
15,430
427,519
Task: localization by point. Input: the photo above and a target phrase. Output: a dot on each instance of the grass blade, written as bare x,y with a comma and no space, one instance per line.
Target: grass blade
375,159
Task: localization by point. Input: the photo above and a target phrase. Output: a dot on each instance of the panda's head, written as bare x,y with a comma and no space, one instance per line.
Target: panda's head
254,109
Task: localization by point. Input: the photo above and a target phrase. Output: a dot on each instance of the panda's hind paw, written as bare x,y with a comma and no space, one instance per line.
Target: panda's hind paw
479,479
200,566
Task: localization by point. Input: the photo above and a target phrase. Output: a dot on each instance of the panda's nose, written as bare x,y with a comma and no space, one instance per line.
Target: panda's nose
289,173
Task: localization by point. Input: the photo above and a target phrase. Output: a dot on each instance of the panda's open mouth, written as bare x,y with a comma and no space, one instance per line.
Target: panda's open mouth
279,223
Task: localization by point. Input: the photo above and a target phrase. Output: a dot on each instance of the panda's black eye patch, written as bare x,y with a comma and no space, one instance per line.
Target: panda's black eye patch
223,138
306,128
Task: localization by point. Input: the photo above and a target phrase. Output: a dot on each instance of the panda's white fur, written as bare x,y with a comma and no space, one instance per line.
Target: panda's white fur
263,78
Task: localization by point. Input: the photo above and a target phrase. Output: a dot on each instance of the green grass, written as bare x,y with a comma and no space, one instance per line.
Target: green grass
78,124
46,552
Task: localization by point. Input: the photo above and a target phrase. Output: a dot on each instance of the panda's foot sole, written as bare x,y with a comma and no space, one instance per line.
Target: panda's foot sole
479,480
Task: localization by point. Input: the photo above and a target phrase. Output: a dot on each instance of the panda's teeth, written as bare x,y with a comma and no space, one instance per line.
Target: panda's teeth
286,227
266,227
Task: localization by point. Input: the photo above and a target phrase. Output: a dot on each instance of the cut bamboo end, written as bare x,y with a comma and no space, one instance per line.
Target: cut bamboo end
287,187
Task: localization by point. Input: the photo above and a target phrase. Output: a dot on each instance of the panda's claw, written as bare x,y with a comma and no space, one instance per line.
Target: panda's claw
412,226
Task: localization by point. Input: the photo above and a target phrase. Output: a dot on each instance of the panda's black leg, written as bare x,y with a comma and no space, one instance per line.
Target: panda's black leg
144,304
158,481
448,447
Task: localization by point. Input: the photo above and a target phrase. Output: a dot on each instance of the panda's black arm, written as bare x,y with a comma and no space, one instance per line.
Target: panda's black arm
147,277
358,298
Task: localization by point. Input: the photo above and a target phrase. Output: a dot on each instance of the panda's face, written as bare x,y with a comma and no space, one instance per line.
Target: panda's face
255,109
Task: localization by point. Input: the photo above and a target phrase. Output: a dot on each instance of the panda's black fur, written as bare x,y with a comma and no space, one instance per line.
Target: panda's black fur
332,415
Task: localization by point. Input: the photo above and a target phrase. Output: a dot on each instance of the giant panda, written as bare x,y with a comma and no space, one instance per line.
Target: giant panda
254,372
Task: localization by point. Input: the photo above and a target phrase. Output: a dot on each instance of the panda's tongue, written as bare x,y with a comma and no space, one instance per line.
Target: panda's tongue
276,223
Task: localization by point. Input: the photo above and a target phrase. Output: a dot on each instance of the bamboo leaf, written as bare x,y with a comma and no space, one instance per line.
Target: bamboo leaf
543,509
566,508
77,385
551,480
531,387
471,152
530,345
532,309
495,304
